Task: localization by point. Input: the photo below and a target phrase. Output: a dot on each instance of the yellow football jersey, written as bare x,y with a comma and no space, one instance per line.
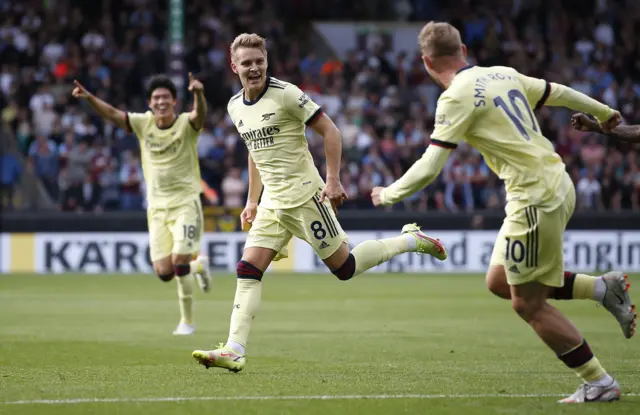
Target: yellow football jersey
273,129
492,109
169,159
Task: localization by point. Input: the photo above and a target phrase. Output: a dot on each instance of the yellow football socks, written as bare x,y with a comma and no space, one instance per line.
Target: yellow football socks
196,267
245,307
369,254
185,297
591,371
584,287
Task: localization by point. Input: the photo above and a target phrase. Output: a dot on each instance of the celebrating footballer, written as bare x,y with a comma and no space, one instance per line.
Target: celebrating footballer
271,116
172,175
491,108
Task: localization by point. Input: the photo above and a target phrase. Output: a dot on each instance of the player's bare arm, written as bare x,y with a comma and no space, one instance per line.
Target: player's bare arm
630,133
333,189
420,175
105,110
255,188
199,112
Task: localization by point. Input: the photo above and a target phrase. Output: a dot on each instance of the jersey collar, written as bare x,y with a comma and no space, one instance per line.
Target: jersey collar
264,91
464,68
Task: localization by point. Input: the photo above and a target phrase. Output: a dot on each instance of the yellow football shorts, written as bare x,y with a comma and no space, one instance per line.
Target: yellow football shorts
175,230
530,244
313,222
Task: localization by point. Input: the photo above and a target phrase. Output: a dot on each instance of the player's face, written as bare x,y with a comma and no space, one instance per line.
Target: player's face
162,103
251,65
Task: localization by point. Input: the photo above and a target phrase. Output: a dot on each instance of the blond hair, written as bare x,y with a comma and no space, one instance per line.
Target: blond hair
249,40
439,39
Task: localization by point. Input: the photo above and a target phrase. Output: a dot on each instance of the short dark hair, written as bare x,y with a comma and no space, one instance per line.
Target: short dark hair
161,81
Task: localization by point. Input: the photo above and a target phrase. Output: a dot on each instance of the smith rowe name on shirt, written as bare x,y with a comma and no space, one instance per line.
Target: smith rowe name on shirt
482,82
262,138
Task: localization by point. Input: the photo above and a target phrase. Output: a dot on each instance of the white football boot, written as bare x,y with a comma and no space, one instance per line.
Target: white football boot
184,329
204,276
591,393
617,301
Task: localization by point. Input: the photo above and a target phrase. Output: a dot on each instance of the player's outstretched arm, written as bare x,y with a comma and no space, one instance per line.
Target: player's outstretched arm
552,94
333,190
630,133
107,112
199,112
454,115
420,175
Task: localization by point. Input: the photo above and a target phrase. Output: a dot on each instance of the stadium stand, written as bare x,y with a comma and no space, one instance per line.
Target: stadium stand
382,102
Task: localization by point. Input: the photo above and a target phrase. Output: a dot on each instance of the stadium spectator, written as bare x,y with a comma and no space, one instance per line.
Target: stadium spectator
131,183
380,98
234,189
11,173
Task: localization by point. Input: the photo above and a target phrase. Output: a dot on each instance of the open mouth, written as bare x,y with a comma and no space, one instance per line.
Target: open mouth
255,77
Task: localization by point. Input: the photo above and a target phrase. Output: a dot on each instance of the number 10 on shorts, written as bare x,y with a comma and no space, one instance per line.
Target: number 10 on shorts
515,250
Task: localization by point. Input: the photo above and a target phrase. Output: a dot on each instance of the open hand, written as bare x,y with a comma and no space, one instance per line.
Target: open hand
195,86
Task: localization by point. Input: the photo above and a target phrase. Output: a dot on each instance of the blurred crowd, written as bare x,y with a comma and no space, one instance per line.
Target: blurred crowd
382,100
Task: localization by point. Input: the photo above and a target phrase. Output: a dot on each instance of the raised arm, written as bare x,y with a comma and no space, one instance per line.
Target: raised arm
199,112
105,110
629,133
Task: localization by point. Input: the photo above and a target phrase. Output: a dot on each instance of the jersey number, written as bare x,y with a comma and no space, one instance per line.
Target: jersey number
515,251
189,231
515,114
318,231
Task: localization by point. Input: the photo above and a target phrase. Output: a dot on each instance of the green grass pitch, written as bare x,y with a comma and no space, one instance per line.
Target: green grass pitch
379,344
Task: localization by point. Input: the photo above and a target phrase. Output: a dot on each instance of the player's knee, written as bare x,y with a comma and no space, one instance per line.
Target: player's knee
166,277
181,269
246,270
498,287
347,270
163,270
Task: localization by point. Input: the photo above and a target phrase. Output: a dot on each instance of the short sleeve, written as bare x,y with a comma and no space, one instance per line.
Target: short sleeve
537,90
136,122
452,122
299,105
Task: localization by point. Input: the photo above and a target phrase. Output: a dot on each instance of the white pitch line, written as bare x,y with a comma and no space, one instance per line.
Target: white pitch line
280,398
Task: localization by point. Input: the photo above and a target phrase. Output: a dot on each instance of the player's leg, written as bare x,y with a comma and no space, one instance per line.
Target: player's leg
185,223
533,260
530,302
160,245
199,264
576,286
248,298
610,289
266,241
315,222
